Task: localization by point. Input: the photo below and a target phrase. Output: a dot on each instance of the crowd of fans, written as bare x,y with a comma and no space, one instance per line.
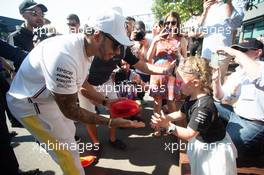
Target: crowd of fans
49,81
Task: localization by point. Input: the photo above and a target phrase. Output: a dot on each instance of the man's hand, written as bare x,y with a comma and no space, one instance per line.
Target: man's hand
120,122
216,76
171,68
69,107
229,52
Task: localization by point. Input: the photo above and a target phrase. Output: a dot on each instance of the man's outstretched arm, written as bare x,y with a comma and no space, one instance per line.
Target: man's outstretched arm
70,108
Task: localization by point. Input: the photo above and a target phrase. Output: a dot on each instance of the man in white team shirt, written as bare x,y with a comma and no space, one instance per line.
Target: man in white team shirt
43,95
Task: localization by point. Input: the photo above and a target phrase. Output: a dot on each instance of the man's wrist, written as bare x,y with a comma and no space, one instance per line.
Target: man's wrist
216,82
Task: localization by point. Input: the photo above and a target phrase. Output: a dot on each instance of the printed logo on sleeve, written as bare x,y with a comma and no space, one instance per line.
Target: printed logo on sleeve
63,77
201,117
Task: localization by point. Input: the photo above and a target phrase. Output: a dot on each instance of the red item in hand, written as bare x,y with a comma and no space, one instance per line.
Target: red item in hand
124,108
87,160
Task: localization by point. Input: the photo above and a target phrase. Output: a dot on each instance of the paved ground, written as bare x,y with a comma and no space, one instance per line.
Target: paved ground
145,155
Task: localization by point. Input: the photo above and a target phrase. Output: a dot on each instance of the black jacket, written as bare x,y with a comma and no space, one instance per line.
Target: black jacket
101,70
12,53
22,38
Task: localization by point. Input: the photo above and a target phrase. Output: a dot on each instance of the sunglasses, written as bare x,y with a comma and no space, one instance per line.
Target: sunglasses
171,22
71,24
35,13
116,44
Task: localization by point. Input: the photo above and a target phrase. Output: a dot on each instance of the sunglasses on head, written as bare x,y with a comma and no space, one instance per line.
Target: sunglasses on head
116,44
35,13
189,70
171,22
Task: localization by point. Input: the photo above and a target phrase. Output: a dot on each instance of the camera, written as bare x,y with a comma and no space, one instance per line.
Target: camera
139,35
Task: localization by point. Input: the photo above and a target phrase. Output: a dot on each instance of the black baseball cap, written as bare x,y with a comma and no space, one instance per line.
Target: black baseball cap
73,17
248,44
29,4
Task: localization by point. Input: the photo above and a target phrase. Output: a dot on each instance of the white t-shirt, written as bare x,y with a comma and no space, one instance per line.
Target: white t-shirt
58,64
250,93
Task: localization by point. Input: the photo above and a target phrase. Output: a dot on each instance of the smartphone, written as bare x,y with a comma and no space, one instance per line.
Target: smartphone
214,62
166,32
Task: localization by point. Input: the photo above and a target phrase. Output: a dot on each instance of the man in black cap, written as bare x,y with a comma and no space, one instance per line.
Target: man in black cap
33,14
252,44
245,118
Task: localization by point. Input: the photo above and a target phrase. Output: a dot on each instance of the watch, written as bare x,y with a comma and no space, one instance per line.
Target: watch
171,129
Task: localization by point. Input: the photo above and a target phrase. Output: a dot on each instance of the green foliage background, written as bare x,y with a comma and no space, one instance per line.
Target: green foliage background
186,8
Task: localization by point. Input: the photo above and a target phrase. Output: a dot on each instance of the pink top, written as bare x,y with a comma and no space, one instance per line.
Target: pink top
168,46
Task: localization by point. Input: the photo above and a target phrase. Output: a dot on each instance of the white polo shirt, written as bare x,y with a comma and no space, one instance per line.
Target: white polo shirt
58,64
250,103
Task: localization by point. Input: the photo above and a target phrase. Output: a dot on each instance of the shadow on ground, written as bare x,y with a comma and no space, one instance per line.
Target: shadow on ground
142,150
109,171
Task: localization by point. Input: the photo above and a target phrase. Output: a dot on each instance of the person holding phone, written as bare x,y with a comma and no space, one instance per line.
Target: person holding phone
163,50
218,22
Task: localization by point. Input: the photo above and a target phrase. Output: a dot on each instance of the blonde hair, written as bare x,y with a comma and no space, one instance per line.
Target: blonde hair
199,68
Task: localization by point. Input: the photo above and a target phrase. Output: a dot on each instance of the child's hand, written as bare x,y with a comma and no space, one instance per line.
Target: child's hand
160,121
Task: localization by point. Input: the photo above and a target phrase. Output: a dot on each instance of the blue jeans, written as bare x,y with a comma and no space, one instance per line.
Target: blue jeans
247,136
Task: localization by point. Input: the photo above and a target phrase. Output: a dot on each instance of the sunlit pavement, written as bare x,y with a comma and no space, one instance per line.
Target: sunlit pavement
144,155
